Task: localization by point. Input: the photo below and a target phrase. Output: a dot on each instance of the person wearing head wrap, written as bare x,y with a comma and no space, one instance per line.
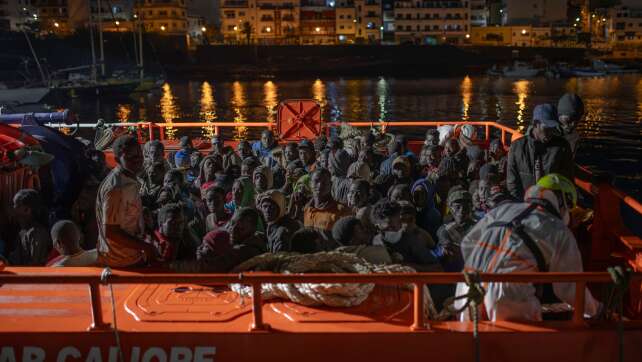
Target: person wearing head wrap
242,194
209,166
280,227
262,178
495,245
429,218
570,110
402,170
449,235
301,194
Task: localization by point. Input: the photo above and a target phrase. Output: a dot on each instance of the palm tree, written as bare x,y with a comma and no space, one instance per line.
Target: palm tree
246,29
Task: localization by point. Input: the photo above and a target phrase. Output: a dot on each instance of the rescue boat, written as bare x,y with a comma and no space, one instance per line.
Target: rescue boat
96,314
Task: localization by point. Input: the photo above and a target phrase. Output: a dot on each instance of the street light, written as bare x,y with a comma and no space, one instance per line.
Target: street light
135,16
117,22
467,36
523,31
203,29
604,19
163,27
56,24
236,28
268,29
317,29
381,28
577,19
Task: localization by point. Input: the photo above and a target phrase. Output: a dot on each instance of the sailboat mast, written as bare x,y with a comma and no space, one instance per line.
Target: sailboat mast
100,39
140,48
93,50
35,57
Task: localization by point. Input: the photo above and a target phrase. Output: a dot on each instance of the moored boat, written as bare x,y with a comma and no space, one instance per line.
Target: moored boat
93,313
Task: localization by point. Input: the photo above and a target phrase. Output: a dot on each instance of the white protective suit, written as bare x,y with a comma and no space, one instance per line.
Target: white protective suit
499,250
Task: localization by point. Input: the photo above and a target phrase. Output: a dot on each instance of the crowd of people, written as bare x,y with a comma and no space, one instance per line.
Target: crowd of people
454,206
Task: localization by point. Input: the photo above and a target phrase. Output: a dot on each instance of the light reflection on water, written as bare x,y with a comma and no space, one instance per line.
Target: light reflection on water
613,106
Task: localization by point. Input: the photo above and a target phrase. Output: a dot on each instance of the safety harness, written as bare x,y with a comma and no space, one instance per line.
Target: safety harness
543,292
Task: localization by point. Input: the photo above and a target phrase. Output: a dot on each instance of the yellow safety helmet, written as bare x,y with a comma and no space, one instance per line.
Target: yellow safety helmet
561,184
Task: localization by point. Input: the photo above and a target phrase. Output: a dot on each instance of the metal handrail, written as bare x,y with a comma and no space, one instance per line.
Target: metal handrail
256,279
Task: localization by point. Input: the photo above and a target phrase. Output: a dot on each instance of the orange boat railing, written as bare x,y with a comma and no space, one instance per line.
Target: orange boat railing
255,280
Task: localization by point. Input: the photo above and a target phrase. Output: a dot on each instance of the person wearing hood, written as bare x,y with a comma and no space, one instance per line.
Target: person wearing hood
339,162
262,179
449,235
280,227
570,111
209,166
424,193
538,153
402,170
242,194
404,247
527,237
301,194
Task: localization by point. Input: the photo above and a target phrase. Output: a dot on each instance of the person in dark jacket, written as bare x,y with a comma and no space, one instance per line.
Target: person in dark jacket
570,110
406,248
280,227
538,153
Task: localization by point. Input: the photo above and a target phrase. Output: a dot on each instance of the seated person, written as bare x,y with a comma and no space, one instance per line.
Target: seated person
152,182
404,247
262,179
358,201
424,194
246,244
402,170
66,240
450,234
323,211
33,243
217,215
306,241
400,192
429,160
168,238
280,226
215,243
357,240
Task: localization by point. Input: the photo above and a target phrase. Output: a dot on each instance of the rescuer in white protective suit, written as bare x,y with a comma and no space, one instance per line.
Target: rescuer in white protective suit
498,244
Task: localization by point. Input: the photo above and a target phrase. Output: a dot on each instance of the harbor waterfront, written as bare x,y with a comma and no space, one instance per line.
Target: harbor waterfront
611,132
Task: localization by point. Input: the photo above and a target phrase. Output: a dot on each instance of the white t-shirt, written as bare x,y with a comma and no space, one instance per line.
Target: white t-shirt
83,258
119,203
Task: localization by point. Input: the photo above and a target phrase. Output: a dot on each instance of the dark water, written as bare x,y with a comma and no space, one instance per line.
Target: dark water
612,129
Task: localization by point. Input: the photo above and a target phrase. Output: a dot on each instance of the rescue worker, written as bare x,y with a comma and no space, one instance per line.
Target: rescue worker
532,236
538,153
